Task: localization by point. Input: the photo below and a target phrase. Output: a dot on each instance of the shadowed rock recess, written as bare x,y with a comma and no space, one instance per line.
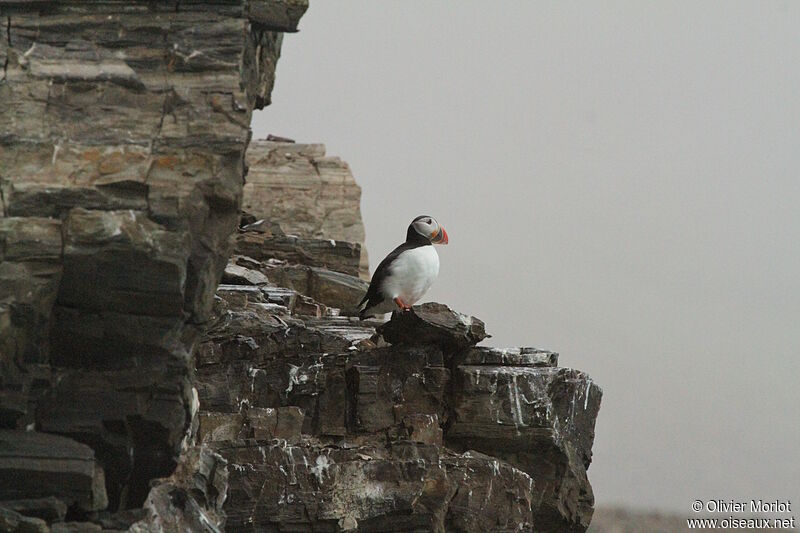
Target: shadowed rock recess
171,364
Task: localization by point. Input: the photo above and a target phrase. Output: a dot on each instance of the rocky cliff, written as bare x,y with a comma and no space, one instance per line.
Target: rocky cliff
123,129
167,364
332,424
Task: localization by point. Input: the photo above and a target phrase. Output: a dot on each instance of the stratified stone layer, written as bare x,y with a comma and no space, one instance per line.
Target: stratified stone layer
330,425
311,194
122,138
37,465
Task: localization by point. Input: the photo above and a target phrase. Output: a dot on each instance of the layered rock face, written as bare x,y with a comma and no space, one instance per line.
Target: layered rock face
314,196
333,424
138,394
123,128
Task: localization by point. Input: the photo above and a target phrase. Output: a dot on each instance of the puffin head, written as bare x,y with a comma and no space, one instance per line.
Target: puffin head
426,228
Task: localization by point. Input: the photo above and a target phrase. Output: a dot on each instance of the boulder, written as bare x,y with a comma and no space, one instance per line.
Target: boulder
433,323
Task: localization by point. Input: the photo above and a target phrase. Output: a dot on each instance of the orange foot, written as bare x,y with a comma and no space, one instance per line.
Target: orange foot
402,305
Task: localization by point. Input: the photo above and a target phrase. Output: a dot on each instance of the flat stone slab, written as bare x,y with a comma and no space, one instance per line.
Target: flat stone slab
433,323
239,275
50,509
37,465
525,356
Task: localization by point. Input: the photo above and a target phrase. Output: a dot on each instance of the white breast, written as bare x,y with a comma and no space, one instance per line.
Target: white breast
411,274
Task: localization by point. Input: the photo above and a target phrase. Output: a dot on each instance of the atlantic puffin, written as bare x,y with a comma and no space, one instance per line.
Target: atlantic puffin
407,273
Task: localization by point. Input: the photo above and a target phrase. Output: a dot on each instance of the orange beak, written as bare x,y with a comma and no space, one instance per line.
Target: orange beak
440,237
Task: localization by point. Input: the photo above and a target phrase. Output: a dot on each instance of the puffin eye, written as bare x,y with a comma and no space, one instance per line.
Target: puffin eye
427,221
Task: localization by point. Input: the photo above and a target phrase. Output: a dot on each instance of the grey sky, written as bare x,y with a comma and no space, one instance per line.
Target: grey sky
620,183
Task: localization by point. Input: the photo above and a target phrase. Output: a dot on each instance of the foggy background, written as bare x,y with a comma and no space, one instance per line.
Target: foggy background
620,184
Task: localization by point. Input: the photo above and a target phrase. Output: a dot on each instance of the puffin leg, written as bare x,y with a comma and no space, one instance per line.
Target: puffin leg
402,305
